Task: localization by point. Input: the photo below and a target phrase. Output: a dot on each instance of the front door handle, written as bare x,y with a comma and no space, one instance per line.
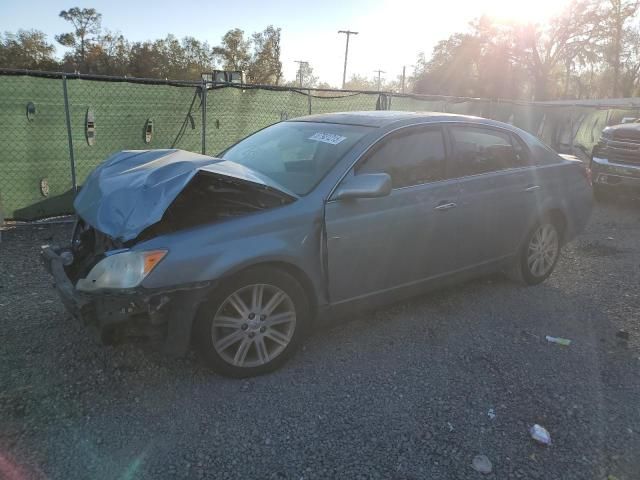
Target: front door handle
446,206
532,188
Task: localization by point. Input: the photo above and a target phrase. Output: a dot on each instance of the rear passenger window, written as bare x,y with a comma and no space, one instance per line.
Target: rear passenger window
482,150
411,157
520,151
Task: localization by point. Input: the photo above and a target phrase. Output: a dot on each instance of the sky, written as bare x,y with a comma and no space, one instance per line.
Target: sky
391,33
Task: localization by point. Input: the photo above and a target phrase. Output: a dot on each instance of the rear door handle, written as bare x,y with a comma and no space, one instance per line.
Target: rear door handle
446,206
532,188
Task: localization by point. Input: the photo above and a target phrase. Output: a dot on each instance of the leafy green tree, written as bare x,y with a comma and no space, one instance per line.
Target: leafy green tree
265,66
616,15
545,50
360,82
108,55
184,59
630,75
86,24
196,57
234,51
309,80
27,49
511,60
145,60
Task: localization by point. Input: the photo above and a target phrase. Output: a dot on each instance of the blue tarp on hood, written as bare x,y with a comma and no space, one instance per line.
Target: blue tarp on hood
132,189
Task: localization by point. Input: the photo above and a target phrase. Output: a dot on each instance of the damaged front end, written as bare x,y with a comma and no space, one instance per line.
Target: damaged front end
114,316
100,274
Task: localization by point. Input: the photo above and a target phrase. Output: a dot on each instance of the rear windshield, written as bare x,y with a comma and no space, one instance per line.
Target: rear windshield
297,155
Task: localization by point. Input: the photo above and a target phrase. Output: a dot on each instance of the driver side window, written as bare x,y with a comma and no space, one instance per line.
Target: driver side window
412,156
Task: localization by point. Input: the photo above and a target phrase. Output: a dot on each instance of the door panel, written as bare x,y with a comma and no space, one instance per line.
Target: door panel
498,192
495,208
380,243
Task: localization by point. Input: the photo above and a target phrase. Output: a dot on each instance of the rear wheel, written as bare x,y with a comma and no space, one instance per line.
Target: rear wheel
253,323
539,253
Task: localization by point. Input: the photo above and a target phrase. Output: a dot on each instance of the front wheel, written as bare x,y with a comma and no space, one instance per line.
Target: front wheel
253,323
539,253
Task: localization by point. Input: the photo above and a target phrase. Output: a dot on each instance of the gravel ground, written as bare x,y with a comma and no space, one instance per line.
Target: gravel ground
401,393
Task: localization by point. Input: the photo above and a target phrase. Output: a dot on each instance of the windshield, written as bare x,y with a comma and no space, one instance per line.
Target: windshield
297,155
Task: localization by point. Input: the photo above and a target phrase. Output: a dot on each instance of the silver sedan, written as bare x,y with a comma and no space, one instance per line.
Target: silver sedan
309,219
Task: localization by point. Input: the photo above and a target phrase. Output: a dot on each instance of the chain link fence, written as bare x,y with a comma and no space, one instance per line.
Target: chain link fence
55,128
34,158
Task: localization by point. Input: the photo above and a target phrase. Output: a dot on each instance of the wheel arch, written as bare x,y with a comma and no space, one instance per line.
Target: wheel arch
296,272
559,218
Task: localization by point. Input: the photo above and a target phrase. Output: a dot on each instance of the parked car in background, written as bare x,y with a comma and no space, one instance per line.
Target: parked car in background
615,163
308,219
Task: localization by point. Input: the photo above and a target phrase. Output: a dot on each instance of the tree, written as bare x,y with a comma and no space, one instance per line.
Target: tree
184,59
360,82
452,69
474,63
27,49
265,66
86,28
616,15
542,50
304,77
108,55
145,60
631,64
234,52
258,56
196,58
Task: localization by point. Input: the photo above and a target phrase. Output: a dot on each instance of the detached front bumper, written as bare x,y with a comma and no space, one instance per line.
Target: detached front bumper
167,314
612,174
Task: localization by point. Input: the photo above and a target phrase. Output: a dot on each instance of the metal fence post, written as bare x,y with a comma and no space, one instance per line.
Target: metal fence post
203,93
309,98
1,218
74,184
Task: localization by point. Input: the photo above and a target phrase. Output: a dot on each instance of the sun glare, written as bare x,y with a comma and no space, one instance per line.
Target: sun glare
393,32
507,10
520,11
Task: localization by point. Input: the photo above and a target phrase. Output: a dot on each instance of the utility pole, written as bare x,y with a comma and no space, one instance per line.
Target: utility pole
300,64
348,33
403,76
379,81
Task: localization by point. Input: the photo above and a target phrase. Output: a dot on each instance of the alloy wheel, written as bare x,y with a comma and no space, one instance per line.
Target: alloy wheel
253,325
543,250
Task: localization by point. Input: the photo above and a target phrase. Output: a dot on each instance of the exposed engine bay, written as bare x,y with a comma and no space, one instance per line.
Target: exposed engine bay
208,198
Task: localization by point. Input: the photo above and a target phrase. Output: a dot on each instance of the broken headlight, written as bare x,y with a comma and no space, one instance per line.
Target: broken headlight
121,270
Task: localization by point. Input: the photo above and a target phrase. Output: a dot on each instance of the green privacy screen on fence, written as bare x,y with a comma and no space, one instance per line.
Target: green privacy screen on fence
108,115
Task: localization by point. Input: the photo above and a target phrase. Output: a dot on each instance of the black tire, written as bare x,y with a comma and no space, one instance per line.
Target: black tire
204,327
521,271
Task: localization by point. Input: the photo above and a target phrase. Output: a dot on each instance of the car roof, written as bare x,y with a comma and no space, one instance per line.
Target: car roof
385,118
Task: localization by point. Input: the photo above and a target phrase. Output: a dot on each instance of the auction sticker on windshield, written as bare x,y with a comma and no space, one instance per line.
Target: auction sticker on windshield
330,138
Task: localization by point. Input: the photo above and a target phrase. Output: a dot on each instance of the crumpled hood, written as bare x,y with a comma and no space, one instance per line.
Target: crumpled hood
132,189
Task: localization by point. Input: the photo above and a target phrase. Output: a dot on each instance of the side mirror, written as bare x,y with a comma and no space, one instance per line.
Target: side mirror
366,185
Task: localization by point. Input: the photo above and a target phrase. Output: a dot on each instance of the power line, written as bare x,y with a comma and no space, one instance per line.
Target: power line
348,33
